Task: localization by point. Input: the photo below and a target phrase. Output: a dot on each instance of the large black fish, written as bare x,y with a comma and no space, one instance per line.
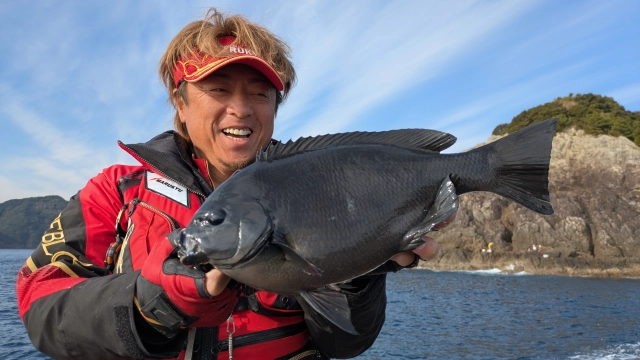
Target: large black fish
327,209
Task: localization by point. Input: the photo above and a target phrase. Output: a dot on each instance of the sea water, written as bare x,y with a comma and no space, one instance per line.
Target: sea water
457,315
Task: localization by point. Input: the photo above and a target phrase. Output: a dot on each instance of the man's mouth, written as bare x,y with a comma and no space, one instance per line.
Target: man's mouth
235,133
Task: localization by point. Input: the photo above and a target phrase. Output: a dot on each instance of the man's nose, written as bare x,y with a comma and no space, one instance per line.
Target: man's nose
239,106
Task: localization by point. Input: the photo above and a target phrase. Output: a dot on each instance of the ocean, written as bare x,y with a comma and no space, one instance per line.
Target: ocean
457,315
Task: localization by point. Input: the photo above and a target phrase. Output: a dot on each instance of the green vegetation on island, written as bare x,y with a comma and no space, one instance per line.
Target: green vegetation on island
595,114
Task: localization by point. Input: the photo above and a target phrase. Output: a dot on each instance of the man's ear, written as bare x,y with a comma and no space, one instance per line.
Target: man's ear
180,104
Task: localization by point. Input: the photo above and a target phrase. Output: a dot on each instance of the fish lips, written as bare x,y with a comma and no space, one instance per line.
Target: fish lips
224,238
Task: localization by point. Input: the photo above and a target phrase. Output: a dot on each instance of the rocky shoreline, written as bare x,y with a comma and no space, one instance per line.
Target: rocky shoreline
594,184
534,264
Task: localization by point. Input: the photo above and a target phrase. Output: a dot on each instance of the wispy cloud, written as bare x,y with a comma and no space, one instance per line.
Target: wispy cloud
356,62
55,144
627,95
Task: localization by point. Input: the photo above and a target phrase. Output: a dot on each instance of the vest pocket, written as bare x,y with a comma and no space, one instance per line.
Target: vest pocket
145,225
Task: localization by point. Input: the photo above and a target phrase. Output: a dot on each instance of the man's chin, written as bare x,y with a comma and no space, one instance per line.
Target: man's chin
236,164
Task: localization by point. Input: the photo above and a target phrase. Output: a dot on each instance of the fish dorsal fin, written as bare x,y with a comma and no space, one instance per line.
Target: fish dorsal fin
429,140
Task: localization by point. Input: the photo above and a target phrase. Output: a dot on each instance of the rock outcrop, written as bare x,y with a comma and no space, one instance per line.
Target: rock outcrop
594,183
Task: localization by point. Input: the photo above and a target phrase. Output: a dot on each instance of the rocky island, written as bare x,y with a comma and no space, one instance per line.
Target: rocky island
594,184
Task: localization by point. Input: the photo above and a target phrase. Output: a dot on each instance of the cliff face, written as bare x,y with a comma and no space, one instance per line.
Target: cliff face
594,184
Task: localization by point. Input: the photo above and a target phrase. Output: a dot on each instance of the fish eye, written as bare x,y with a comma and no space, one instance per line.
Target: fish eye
211,218
217,217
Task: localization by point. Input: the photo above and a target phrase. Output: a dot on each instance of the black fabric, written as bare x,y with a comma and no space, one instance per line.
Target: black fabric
73,221
125,332
367,300
91,306
65,240
155,304
204,342
149,338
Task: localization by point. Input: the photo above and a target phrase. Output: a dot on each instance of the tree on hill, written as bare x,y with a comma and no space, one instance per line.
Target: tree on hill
23,221
595,114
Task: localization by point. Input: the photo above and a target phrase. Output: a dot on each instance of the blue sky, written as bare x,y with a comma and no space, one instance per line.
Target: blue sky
75,76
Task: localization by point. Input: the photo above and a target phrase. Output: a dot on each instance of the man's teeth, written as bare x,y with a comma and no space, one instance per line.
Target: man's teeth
239,132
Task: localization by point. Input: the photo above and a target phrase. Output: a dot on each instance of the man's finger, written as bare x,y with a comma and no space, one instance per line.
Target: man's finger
429,249
215,282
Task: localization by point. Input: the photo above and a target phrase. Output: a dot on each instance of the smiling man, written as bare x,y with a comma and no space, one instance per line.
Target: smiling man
229,116
83,295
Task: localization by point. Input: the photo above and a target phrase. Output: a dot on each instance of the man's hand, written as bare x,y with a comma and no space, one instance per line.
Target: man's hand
427,251
172,296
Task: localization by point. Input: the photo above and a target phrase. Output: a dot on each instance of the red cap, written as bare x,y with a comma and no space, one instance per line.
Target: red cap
198,66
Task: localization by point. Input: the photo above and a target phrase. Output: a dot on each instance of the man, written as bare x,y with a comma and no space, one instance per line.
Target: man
83,295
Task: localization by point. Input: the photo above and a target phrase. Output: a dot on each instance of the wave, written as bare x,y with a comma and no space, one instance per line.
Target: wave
489,272
614,352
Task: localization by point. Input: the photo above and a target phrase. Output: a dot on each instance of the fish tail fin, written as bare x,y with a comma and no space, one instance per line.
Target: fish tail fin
521,163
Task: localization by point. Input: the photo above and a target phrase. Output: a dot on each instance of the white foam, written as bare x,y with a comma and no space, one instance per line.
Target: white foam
494,271
618,352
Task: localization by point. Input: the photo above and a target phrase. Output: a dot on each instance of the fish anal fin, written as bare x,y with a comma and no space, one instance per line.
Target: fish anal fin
445,204
294,257
328,305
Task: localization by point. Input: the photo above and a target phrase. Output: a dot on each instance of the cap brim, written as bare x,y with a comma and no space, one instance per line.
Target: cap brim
253,61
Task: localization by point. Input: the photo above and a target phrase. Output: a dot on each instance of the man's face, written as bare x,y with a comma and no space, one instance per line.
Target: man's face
229,116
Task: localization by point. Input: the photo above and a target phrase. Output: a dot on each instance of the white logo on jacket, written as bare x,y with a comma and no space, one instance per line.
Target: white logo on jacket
167,188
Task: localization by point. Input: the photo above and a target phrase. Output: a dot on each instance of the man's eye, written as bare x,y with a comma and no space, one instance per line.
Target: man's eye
218,90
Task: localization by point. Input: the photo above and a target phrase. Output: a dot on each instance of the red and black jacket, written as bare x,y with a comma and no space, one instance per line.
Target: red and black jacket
74,307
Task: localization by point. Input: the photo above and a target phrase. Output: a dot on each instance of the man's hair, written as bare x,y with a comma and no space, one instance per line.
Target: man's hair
203,36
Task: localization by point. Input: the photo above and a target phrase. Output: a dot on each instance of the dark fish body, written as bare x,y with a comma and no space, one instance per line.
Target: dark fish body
297,220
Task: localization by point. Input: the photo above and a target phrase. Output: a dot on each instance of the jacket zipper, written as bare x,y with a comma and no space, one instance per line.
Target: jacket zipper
262,336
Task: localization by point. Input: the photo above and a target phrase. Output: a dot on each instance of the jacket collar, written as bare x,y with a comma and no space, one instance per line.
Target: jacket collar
170,155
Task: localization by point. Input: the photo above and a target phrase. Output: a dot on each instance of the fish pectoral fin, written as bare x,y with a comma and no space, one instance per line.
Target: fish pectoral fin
445,205
326,306
294,257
